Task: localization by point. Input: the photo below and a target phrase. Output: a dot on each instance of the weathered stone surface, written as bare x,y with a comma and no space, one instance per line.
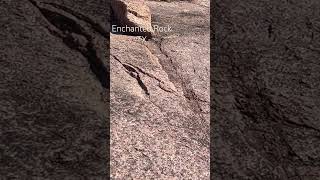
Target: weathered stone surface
53,113
160,98
266,90
133,13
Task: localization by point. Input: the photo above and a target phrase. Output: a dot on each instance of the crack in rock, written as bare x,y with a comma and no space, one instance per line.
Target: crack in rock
66,28
135,74
96,26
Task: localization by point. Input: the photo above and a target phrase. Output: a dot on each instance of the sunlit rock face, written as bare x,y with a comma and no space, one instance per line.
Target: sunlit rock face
160,96
133,14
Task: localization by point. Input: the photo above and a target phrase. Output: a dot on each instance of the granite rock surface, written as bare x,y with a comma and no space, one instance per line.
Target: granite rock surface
160,97
54,80
265,90
132,13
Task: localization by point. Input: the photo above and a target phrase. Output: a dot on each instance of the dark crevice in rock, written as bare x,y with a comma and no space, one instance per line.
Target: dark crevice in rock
68,27
134,13
302,125
188,93
146,73
154,77
135,74
96,26
268,109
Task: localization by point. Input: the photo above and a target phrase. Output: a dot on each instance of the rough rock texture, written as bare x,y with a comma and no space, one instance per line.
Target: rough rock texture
133,13
160,98
266,90
53,79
